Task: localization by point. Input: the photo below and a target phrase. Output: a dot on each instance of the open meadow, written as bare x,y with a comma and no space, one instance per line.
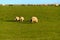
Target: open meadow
48,27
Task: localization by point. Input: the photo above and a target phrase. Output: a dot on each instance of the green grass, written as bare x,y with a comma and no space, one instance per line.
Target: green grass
48,27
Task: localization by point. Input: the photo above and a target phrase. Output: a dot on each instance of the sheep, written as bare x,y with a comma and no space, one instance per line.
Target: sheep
21,19
56,4
34,19
17,18
3,4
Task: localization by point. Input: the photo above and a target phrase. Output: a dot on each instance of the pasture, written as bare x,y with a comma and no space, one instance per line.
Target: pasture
48,27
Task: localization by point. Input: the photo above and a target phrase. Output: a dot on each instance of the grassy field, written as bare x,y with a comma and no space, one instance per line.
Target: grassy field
48,27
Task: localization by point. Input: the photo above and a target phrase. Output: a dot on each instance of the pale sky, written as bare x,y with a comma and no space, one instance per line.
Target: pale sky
29,1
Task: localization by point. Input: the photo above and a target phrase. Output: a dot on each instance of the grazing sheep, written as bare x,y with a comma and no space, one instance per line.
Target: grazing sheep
34,19
21,19
3,4
57,4
17,18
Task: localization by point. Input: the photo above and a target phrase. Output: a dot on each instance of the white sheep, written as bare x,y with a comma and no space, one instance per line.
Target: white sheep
17,18
57,4
34,19
21,19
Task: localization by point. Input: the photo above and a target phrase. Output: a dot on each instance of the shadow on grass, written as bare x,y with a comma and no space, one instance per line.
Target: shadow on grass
10,20
24,22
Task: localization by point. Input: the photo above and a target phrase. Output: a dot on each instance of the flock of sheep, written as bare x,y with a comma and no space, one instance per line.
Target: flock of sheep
33,19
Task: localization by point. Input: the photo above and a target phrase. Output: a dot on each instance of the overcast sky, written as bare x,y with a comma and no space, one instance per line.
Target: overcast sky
29,1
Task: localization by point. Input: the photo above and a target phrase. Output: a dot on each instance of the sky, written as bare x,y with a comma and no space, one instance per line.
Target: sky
29,1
